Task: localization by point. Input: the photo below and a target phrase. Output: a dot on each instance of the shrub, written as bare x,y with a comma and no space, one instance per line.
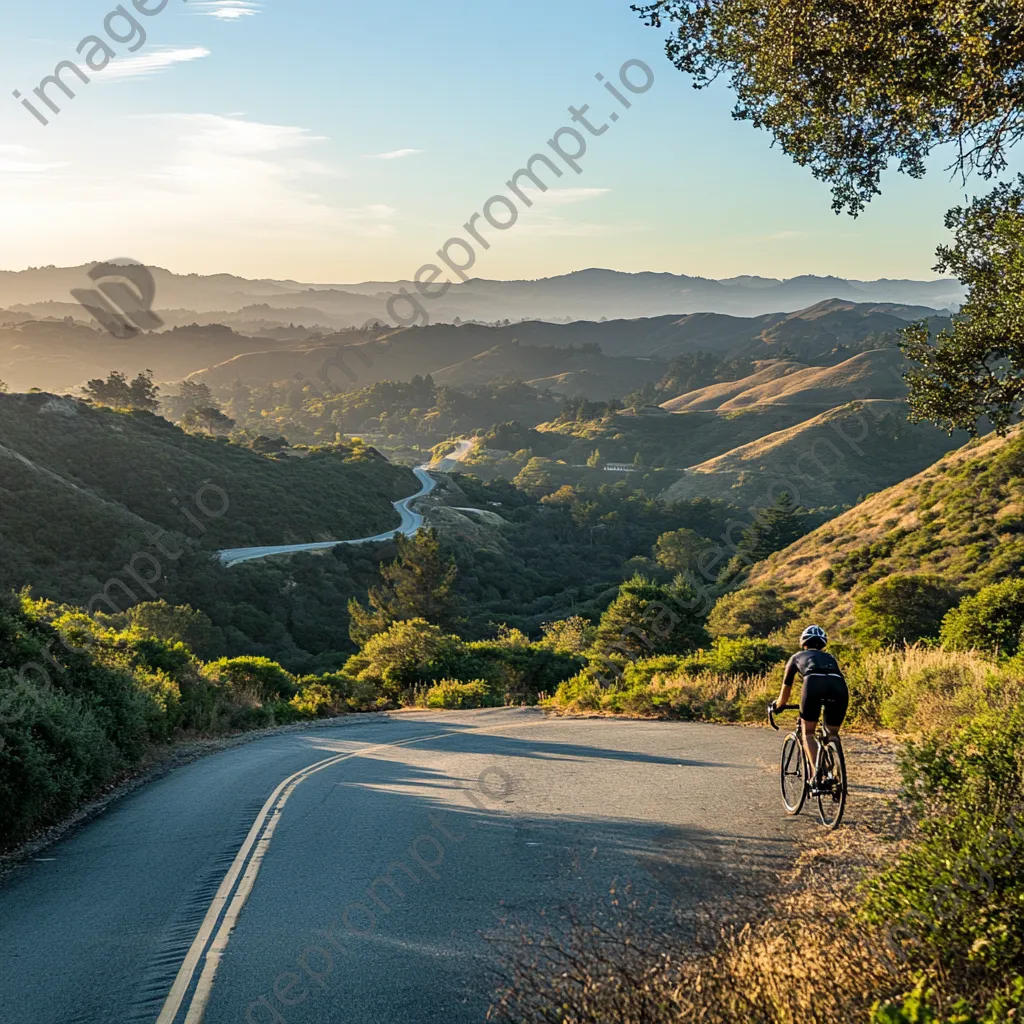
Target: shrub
756,612
920,689
258,680
407,653
990,620
516,671
67,729
740,656
581,693
902,609
952,904
317,700
453,695
920,1007
568,636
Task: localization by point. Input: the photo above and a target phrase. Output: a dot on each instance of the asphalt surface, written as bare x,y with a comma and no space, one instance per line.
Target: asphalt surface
478,818
410,524
460,454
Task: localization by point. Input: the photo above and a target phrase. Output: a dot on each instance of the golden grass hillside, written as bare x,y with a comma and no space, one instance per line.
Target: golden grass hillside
961,519
834,458
876,374
715,395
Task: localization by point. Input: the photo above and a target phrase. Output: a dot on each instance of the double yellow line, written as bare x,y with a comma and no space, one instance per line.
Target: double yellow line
211,941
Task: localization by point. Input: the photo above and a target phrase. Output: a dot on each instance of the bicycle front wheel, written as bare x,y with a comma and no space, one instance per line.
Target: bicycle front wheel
792,775
832,785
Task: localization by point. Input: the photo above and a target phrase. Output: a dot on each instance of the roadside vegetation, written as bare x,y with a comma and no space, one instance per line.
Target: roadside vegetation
930,930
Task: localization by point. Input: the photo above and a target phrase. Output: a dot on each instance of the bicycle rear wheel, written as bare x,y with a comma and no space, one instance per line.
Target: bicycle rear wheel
792,775
832,800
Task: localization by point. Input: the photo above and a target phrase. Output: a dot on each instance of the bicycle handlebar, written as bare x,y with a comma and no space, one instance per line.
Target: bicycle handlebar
773,710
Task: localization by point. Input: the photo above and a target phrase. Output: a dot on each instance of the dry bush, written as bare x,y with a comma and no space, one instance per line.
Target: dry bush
804,965
926,689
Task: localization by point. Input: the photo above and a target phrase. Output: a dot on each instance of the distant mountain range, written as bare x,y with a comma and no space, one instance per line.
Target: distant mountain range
259,306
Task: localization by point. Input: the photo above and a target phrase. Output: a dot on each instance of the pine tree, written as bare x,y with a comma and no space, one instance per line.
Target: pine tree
774,528
419,584
648,619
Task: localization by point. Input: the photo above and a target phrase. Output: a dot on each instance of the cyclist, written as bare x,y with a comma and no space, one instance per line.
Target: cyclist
823,687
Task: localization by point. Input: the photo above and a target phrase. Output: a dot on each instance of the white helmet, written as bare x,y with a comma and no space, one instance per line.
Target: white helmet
813,633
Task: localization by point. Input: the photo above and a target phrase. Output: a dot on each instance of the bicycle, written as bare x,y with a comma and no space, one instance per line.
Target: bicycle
829,784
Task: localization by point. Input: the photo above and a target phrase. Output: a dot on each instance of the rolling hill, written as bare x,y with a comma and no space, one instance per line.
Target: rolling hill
568,371
962,518
83,489
440,348
834,458
669,441
876,374
58,355
714,396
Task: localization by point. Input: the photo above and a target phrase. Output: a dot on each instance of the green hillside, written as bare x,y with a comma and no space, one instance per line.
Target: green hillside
82,489
961,519
835,458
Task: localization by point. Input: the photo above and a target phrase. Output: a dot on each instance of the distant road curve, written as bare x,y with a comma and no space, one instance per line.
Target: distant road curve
411,523
449,462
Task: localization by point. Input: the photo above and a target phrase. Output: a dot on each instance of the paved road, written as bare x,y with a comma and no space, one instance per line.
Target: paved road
460,454
410,524
470,816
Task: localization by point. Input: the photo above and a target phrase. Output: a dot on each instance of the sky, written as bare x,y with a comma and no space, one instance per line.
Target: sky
334,141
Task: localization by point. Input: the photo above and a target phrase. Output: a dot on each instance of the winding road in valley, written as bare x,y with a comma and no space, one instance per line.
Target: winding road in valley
410,524
349,872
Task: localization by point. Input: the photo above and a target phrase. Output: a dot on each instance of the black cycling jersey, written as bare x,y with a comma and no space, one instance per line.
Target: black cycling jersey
813,663
824,687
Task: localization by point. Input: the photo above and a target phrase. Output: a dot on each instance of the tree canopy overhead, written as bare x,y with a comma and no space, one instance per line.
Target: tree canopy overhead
847,87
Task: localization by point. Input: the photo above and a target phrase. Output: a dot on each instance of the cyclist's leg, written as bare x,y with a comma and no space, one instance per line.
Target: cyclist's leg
810,745
835,706
811,699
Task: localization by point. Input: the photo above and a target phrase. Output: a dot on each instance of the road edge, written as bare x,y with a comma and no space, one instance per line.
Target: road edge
157,764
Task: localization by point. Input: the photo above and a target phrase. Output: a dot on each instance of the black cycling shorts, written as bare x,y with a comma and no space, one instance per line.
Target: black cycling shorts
828,692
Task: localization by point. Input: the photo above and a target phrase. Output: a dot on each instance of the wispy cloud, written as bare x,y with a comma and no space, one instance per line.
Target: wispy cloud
543,222
396,154
193,184
22,163
226,10
564,196
149,63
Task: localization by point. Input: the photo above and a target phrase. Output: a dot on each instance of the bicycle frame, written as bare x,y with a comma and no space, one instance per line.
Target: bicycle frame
816,783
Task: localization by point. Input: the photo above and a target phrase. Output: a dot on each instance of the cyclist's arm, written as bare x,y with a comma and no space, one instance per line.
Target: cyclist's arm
787,682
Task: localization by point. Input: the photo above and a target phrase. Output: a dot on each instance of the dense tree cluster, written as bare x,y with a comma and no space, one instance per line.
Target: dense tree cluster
120,393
